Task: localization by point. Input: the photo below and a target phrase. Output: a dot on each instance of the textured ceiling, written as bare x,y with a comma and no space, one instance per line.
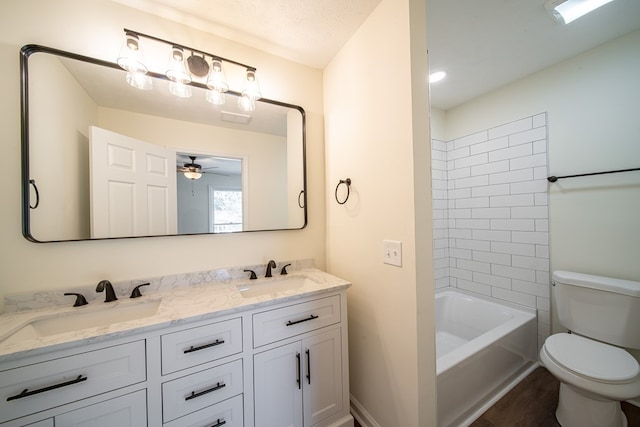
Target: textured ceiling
481,44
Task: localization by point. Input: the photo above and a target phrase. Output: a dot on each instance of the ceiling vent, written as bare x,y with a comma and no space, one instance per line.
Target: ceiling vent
242,119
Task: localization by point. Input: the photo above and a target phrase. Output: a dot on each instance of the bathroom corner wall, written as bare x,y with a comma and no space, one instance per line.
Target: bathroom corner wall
490,213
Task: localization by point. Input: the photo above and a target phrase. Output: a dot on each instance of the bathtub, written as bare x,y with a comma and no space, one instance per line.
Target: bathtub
483,349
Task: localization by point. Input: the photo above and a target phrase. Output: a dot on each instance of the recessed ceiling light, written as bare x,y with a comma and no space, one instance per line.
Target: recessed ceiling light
565,11
437,76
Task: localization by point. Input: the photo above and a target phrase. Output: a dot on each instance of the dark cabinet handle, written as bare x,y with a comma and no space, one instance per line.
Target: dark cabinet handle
202,347
27,393
193,394
219,422
295,322
298,370
308,366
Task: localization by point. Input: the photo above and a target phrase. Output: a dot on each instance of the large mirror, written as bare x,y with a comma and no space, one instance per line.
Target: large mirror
103,159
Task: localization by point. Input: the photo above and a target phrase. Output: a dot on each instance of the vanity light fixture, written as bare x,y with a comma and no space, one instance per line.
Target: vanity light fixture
566,11
187,67
437,76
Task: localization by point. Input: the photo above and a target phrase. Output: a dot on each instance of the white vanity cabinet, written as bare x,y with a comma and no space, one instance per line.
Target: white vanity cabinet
301,369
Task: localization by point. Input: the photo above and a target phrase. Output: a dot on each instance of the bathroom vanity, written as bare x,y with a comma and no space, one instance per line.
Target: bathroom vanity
266,352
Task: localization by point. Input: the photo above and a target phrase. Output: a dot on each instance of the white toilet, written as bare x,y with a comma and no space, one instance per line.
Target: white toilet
595,373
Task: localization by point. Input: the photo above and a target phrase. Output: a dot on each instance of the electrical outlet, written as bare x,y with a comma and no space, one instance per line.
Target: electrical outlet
392,252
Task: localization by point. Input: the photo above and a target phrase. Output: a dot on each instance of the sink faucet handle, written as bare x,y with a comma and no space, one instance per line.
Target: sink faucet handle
271,264
253,274
107,287
284,270
135,293
80,299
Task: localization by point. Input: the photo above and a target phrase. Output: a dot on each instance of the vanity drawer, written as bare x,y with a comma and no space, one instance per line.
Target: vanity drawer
274,325
201,389
228,413
40,386
191,347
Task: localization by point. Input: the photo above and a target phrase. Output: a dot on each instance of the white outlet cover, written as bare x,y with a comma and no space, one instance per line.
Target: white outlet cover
392,252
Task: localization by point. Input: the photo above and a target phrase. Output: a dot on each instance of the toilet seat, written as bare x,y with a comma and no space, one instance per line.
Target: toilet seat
592,359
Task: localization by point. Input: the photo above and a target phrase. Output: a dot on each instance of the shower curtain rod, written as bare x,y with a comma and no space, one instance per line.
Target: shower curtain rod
555,178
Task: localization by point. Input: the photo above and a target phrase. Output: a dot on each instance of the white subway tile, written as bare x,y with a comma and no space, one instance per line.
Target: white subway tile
492,257
440,223
458,153
515,297
481,267
490,190
490,212
460,274
459,193
440,243
541,199
531,263
440,214
451,165
540,173
515,200
476,159
473,181
460,253
492,235
459,173
439,145
540,147
513,248
543,303
511,152
539,120
439,194
473,223
544,317
513,272
442,282
488,168
543,277
513,224
451,185
530,212
542,225
478,245
530,288
438,174
438,184
494,144
533,237
460,233
471,139
528,136
440,253
532,161
474,287
509,128
473,202
439,204
513,176
441,263
488,279
438,155
438,164
459,213
537,186
542,251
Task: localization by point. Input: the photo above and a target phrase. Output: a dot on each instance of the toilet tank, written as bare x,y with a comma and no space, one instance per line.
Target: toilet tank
602,308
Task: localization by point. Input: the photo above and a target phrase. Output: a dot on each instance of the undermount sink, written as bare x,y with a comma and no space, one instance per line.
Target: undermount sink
270,286
82,318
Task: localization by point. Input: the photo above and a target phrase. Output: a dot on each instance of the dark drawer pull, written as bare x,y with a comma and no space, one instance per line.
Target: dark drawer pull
219,423
193,394
27,393
202,347
295,322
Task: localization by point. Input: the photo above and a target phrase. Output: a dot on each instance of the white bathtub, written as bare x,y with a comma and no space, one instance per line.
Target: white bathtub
483,349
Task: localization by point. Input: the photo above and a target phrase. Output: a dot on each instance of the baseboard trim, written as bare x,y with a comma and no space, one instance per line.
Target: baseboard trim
363,417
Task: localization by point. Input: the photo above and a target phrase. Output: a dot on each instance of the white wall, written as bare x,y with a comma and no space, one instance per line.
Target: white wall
95,29
375,131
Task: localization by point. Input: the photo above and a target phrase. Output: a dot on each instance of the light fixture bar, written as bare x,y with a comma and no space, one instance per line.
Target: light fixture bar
566,11
249,67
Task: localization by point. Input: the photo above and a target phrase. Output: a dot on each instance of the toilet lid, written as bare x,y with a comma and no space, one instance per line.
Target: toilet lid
591,358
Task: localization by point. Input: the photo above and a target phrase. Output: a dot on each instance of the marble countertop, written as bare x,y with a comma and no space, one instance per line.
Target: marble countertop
174,307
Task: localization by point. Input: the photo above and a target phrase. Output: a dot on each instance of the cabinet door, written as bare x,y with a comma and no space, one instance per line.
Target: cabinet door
125,411
322,376
278,387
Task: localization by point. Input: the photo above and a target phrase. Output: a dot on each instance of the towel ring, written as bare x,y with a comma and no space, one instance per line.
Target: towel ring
299,203
33,183
346,182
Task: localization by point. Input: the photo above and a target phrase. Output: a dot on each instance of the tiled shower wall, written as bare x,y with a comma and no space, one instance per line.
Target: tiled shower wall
491,217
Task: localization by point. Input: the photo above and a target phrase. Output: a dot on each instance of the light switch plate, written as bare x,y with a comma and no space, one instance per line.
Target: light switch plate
392,252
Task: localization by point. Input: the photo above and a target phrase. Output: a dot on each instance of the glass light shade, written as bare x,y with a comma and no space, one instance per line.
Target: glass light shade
139,81
245,103
130,57
566,11
193,175
215,97
180,90
177,70
437,76
251,88
216,79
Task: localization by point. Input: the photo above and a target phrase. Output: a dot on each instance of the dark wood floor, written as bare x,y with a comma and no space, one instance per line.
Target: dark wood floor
532,403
